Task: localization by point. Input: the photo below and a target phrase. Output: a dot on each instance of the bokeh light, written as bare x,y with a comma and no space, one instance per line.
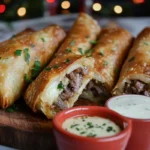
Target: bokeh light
21,11
138,1
50,1
65,4
118,9
97,6
2,8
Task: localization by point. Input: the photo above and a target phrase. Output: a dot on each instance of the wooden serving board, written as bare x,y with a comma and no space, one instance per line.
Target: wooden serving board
25,130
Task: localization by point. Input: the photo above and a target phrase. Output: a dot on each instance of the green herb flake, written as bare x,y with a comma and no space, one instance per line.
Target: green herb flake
105,63
131,59
145,43
90,125
116,70
93,42
83,132
72,43
103,124
67,60
47,68
12,108
74,125
55,66
36,68
27,55
43,40
86,36
26,78
77,129
80,50
18,52
60,86
91,135
109,129
32,45
101,52
68,50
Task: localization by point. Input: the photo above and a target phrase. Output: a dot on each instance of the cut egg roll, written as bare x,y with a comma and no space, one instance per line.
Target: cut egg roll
135,74
63,80
109,53
23,57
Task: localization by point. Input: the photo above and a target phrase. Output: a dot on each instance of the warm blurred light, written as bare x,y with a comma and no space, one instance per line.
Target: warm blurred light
50,1
97,6
2,8
21,11
118,9
65,4
138,1
7,1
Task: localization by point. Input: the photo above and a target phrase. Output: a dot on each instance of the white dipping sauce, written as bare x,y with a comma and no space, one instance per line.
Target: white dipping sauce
133,106
91,126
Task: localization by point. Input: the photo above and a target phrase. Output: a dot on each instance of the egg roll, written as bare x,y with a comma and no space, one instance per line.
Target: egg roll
23,57
63,80
135,73
109,53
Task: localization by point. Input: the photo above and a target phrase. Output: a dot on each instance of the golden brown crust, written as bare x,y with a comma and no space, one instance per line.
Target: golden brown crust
76,43
137,64
84,30
40,46
109,54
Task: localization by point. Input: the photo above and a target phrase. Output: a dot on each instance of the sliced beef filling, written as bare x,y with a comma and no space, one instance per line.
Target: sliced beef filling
98,90
137,87
75,81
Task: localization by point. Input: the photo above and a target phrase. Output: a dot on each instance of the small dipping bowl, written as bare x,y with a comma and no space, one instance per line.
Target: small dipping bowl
68,141
140,136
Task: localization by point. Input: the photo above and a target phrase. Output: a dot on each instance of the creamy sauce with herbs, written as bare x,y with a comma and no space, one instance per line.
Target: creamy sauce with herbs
134,106
91,126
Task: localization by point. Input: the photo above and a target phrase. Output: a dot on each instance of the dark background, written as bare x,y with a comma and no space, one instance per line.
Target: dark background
38,8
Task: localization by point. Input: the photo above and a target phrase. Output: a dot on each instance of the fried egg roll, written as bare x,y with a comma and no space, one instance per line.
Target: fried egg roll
135,74
63,80
109,53
22,58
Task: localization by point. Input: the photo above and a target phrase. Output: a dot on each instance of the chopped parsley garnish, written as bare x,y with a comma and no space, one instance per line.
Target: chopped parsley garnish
90,125
131,59
116,70
60,86
12,108
91,135
145,43
109,129
47,68
101,53
18,52
43,39
36,68
83,132
72,43
93,42
68,50
27,55
32,45
55,66
74,125
77,129
67,60
26,78
105,63
103,124
87,36
80,50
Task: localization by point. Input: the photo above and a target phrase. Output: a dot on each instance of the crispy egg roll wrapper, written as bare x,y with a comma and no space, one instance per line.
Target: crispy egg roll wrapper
135,73
109,53
44,94
23,56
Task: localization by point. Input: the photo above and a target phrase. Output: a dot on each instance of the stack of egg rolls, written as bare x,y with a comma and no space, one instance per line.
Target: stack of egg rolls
109,54
22,57
59,85
135,74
